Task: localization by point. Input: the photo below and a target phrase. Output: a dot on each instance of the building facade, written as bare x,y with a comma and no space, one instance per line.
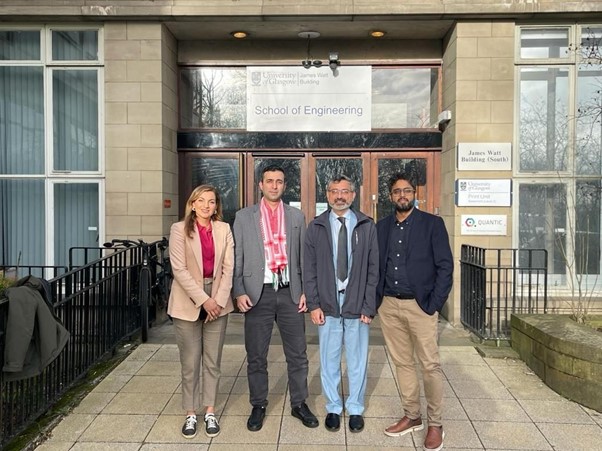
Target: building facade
111,112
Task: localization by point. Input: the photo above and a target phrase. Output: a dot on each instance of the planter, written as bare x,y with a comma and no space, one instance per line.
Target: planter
567,356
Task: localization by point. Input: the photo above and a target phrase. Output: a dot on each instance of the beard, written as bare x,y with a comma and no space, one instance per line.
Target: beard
340,205
403,207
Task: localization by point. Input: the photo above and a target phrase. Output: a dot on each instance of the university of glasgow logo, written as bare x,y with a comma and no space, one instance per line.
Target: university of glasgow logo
462,186
256,78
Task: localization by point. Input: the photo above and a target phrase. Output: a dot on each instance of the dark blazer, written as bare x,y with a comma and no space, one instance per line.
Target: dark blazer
429,260
319,279
249,253
35,336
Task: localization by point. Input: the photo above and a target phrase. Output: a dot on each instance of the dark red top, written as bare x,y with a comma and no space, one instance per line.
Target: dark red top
207,249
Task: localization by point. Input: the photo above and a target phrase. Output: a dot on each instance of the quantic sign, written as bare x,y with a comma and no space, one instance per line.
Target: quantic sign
484,157
314,99
484,225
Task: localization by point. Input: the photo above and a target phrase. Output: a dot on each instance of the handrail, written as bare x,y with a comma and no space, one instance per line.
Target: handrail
496,282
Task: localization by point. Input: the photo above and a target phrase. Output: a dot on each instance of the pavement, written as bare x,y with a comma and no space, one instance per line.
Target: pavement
489,403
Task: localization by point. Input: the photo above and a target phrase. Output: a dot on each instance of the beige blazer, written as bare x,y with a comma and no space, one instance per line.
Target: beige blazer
187,294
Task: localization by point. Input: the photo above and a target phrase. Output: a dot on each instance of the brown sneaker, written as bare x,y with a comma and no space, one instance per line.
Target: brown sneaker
434,438
404,426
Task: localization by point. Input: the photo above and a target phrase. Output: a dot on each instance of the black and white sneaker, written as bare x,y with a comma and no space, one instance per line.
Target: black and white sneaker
211,425
189,428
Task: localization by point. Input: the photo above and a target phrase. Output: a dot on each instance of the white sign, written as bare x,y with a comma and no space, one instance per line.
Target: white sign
484,157
484,225
315,99
321,207
483,193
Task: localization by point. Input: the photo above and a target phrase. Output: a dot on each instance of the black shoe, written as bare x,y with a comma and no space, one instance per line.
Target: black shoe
189,428
304,414
356,423
255,421
333,422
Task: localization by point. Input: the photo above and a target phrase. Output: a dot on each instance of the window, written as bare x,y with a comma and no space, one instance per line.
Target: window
50,143
559,142
544,43
543,118
215,98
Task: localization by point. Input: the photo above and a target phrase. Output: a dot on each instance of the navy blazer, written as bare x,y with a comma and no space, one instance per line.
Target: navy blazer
429,260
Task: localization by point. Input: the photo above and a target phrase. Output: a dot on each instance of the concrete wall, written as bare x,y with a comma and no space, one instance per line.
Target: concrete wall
478,88
140,124
154,8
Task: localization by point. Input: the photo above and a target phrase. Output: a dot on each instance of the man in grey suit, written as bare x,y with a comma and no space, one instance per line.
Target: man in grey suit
267,287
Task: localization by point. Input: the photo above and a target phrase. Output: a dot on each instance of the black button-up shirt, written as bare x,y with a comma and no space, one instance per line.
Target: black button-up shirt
397,282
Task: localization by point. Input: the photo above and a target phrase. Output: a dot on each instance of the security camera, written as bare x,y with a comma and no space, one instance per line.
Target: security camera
306,63
333,60
443,120
317,63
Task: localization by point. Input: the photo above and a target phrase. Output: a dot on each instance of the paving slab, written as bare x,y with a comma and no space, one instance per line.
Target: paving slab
490,403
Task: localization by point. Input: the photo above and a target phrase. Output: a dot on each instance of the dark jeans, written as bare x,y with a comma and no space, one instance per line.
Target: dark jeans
259,321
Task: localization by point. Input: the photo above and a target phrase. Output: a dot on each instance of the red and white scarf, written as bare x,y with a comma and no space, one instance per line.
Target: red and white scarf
274,240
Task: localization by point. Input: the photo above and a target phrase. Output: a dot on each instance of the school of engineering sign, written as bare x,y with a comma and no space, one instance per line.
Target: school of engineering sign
298,99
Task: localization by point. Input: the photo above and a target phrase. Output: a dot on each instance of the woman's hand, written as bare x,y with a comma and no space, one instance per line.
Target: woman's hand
212,308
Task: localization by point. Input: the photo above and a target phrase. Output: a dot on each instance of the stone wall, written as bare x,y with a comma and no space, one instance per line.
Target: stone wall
478,89
567,356
155,8
140,124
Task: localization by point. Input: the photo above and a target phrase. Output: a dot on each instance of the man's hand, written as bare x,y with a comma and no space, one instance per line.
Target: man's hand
302,304
244,303
317,316
365,319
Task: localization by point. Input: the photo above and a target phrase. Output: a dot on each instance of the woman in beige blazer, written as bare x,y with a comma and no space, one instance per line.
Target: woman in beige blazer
201,249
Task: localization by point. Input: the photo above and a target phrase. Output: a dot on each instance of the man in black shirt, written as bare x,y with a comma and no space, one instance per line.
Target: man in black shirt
416,267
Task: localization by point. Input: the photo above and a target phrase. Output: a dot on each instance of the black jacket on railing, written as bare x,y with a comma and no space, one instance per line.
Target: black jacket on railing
35,336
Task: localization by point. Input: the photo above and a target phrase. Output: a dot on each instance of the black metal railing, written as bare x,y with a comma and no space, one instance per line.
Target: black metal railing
41,271
498,282
98,306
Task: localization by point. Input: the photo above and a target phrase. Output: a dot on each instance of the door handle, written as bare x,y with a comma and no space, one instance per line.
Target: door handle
375,207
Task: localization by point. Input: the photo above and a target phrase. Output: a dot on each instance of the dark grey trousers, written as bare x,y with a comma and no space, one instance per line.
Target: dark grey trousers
275,306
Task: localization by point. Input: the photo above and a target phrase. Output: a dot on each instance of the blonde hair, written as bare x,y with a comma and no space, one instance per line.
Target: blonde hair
190,215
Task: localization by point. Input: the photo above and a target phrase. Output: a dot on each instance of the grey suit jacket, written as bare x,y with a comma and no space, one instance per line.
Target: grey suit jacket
249,253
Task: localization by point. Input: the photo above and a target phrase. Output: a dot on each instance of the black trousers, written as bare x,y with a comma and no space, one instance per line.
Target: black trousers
276,306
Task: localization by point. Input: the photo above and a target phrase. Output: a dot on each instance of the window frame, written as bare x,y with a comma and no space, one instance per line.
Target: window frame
51,176
562,284
535,61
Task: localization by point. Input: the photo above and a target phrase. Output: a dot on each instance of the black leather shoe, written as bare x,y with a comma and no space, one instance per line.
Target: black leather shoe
304,414
356,423
255,421
333,422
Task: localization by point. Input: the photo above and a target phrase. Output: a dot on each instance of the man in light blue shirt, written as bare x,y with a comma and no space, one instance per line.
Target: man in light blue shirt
340,274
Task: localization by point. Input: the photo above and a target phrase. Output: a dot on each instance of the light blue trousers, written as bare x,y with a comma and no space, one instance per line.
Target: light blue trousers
354,335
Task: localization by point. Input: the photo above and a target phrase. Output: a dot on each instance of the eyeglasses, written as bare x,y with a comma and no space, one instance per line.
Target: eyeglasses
398,191
336,192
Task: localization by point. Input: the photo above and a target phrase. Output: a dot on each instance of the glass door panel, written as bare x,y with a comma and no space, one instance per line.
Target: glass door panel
307,176
221,171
